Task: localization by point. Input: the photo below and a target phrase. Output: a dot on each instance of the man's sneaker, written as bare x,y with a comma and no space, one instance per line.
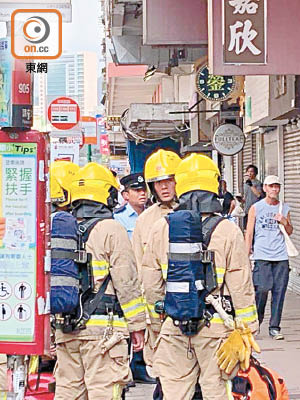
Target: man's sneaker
275,334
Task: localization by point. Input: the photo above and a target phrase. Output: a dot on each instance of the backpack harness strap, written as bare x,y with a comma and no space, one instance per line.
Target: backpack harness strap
95,303
85,227
91,304
209,225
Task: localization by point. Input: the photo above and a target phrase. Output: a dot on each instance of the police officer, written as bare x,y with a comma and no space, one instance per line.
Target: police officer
93,362
136,196
181,360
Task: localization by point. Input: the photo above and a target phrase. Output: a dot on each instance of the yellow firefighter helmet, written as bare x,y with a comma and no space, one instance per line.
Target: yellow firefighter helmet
161,165
93,182
197,172
61,176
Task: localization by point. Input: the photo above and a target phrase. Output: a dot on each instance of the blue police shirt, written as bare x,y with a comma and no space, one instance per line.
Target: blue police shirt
127,217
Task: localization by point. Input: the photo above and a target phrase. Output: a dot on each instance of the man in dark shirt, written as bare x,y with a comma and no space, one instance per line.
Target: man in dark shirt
226,198
253,190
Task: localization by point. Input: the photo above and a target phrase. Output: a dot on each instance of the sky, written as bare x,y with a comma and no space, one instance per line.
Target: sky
83,33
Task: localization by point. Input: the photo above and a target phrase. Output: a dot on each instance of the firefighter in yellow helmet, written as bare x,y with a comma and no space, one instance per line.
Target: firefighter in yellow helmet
159,174
93,362
61,175
199,308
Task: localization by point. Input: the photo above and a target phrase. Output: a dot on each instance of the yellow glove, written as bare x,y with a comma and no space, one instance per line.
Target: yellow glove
250,343
232,351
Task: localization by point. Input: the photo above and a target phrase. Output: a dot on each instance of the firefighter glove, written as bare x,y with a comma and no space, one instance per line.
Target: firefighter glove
250,343
232,351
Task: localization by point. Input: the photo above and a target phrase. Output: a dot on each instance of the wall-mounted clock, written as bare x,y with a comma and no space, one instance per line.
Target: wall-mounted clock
214,87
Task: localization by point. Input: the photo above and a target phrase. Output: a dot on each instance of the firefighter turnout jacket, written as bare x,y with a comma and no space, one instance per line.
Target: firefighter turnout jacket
233,277
143,227
111,251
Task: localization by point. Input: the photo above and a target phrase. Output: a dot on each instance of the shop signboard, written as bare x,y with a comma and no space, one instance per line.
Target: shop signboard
89,129
253,37
104,145
5,82
244,31
119,165
186,22
65,152
228,139
15,90
101,124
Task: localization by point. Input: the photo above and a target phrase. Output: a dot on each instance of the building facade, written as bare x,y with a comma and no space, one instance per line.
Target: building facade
75,76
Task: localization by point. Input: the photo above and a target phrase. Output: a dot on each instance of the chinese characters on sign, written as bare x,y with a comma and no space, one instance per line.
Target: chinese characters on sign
244,31
36,67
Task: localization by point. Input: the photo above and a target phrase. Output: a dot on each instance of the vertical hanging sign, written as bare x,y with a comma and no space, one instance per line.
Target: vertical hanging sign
244,31
18,248
104,145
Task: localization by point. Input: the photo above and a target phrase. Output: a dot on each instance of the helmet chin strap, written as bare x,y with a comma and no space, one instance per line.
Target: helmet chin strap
201,201
112,200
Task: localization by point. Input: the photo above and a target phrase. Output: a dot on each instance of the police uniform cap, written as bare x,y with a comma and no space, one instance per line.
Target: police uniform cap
133,181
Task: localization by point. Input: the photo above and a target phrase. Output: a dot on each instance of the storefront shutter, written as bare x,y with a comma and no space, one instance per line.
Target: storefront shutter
291,153
235,174
247,158
254,159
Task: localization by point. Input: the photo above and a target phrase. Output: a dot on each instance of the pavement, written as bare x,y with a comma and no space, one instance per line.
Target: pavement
281,355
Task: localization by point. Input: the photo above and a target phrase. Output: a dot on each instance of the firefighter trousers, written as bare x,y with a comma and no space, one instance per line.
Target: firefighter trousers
181,362
84,373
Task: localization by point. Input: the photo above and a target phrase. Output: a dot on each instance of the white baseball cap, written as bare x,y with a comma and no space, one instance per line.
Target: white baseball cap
271,179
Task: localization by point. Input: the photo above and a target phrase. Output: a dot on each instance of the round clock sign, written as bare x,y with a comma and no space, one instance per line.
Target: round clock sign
214,87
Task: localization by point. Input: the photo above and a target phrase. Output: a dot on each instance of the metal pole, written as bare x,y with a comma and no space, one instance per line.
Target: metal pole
194,112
